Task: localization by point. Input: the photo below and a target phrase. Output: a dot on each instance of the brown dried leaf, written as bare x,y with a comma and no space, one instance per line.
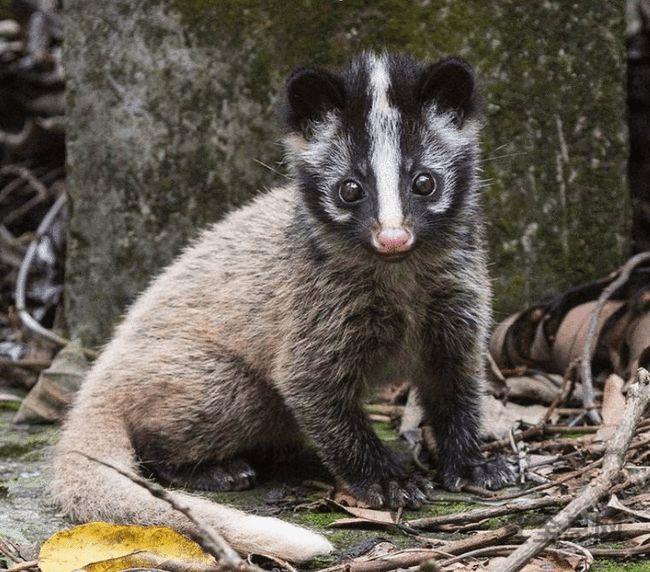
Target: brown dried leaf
345,498
572,332
638,336
613,407
640,540
618,505
56,386
370,515
362,516
498,418
540,389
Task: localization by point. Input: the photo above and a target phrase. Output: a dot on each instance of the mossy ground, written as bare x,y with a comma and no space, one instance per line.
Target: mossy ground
26,518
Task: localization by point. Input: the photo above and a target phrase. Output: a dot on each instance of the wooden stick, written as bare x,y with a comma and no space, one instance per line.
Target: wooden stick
620,552
28,364
589,347
568,384
600,531
21,281
418,556
613,463
24,566
212,542
537,431
432,522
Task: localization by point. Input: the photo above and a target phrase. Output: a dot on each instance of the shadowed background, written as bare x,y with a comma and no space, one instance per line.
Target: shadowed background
172,109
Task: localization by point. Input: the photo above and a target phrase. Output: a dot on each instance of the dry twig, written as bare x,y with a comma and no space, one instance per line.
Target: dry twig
432,522
212,542
613,462
591,339
23,273
24,566
415,557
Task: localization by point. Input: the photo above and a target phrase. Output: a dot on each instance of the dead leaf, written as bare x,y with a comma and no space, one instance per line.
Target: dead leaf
413,414
268,562
56,386
638,335
640,540
145,560
362,516
572,332
345,498
612,409
369,514
618,505
540,389
105,546
498,418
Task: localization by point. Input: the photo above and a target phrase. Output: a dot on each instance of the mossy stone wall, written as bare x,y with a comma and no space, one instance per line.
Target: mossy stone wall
172,111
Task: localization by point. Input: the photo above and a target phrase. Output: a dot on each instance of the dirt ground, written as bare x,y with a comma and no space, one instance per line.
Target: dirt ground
26,519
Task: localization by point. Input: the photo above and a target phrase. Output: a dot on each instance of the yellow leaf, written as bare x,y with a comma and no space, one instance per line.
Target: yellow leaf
96,542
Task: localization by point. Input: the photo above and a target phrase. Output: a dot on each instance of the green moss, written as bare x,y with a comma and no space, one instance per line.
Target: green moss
385,431
618,566
439,508
19,445
320,520
572,435
10,405
5,9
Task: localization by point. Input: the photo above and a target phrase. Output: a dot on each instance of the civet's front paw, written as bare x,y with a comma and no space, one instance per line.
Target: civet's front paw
489,474
409,492
492,474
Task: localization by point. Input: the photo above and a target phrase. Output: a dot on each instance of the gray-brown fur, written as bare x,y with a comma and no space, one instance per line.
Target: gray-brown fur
270,329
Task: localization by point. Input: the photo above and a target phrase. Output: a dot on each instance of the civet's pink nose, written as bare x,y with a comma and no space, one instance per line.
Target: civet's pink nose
393,240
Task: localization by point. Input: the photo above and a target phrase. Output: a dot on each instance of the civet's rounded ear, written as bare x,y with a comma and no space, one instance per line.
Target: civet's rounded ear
450,84
311,93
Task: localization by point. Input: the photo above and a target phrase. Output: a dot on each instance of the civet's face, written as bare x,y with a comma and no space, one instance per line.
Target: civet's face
386,151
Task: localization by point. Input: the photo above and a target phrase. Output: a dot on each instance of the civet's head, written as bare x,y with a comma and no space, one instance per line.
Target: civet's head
385,151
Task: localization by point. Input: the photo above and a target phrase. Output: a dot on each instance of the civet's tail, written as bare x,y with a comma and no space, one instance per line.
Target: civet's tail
88,491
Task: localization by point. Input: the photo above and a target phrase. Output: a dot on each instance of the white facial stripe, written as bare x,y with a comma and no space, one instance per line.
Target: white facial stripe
383,127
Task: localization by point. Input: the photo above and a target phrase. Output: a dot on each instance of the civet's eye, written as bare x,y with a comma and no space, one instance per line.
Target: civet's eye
424,184
350,191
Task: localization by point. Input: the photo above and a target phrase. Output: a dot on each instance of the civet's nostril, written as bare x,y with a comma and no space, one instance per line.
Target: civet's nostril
394,240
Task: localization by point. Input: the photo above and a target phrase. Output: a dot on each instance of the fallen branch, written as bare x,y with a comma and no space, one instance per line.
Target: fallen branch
620,552
212,542
613,462
21,282
35,365
416,557
502,550
599,531
432,522
588,400
538,431
24,566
